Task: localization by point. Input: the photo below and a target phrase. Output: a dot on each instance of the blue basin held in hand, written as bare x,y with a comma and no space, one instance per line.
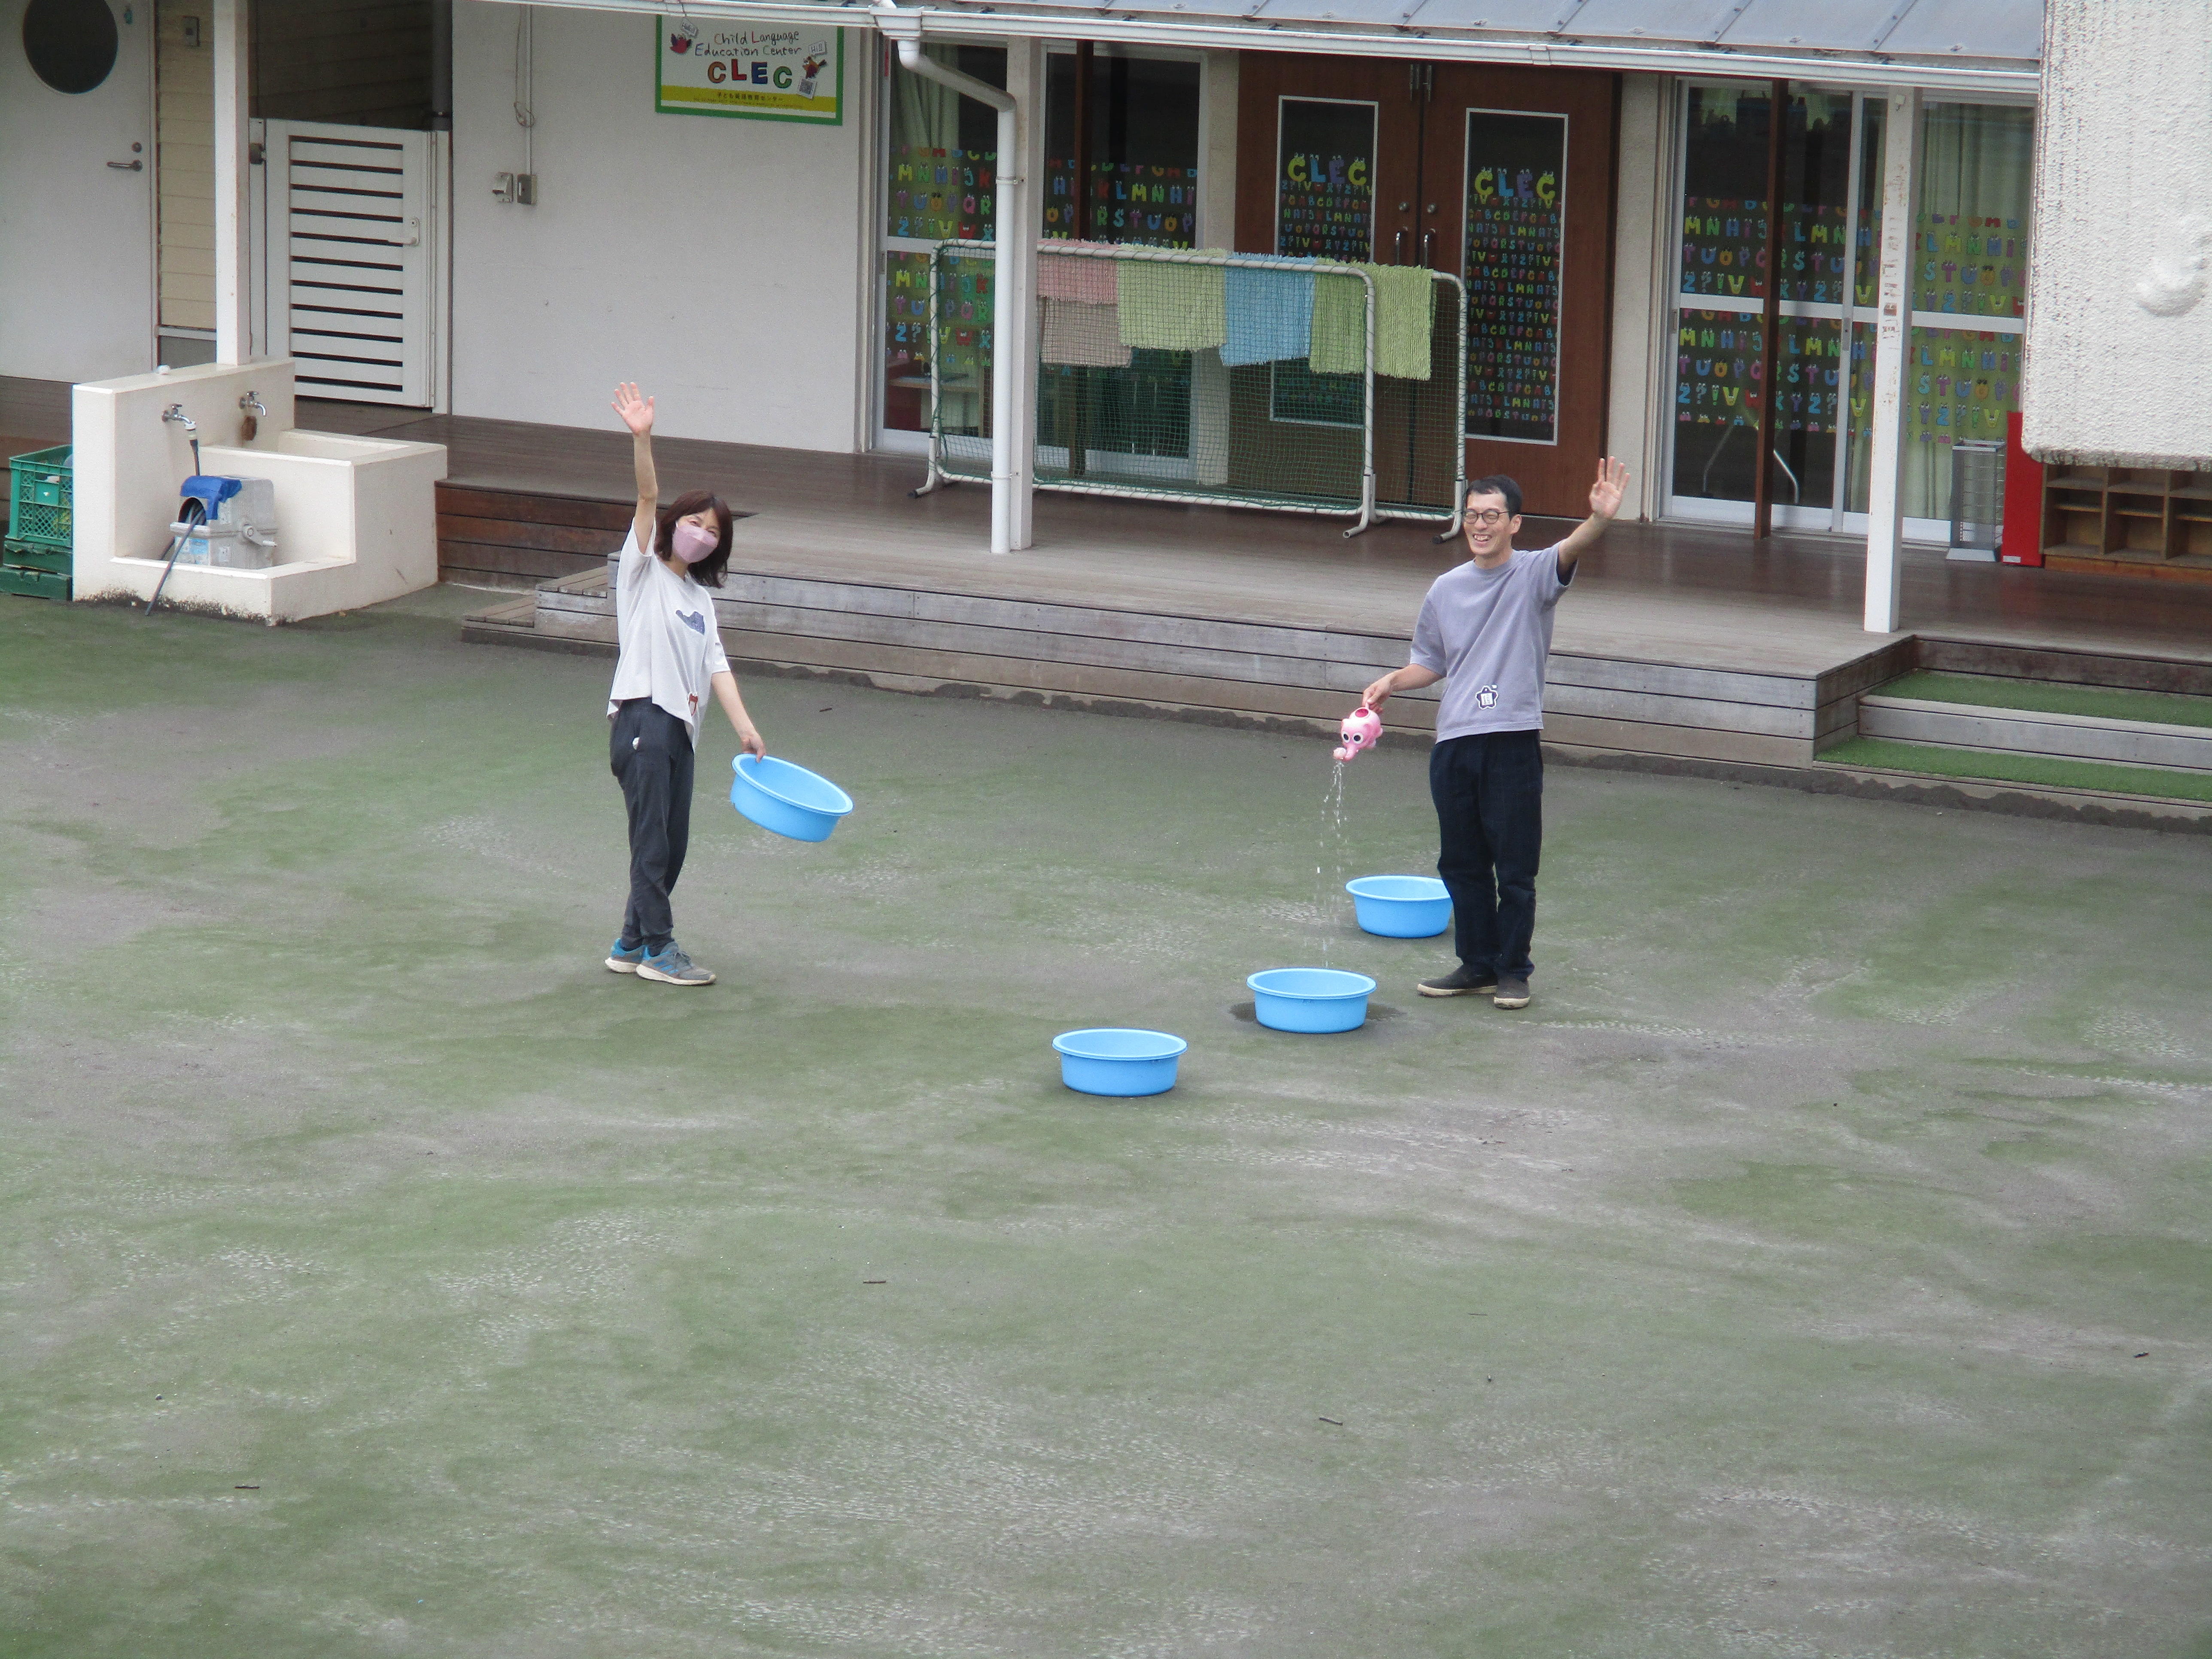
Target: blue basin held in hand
786,799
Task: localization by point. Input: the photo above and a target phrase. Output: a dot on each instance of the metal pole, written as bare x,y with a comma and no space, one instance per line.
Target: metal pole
1762,485
1892,360
935,476
1367,421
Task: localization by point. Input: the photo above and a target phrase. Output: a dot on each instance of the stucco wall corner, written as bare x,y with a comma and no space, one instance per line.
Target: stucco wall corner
2119,324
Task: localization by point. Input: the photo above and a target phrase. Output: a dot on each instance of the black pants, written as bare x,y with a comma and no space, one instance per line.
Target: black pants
650,751
1489,791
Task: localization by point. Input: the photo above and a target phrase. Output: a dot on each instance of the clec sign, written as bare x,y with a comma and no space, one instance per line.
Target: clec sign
709,68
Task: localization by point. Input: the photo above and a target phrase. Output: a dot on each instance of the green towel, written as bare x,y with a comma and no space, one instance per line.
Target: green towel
1173,308
1340,325
1405,312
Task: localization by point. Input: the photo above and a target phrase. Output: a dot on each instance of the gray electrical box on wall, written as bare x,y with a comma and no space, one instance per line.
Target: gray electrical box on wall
519,188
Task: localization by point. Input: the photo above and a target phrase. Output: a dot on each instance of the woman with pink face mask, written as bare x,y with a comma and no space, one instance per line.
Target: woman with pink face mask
671,655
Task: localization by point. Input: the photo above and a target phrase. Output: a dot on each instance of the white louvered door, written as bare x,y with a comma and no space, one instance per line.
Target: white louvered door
350,260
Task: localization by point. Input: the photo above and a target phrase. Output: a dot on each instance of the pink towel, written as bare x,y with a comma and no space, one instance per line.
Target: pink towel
1086,282
1077,333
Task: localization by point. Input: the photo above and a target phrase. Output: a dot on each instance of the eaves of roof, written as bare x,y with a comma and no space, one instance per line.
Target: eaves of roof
1952,37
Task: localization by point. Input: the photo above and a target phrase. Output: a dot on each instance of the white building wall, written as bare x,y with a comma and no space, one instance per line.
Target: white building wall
1637,420
2119,332
718,262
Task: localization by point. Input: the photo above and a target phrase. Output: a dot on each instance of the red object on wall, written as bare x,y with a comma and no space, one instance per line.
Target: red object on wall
2023,501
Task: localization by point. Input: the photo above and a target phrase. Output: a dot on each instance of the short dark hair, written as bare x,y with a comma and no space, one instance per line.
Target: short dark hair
1499,485
709,570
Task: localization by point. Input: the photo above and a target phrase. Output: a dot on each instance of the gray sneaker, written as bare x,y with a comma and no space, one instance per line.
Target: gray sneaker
1512,993
671,967
1461,982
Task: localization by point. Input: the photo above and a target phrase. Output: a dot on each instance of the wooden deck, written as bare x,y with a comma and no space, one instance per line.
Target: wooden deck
1678,646
1689,594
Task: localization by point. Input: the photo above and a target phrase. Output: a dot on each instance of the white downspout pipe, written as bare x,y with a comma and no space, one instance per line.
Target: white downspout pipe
905,28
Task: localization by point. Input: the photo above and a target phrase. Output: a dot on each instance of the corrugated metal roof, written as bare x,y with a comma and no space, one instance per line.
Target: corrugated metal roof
1959,44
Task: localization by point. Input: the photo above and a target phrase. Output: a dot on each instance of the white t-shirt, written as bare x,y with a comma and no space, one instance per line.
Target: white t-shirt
671,647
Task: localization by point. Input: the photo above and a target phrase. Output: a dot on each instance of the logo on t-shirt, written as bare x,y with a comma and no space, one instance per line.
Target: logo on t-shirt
694,620
1486,698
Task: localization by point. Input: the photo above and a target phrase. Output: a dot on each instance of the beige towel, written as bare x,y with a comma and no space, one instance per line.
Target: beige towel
1086,334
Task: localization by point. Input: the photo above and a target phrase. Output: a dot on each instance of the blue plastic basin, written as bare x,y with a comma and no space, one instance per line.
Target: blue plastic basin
1112,1060
786,799
1310,999
1401,907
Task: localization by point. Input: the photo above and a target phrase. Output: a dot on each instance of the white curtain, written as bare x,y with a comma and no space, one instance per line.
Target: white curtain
1976,162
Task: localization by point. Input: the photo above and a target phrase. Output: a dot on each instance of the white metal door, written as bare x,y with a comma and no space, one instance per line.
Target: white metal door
350,260
76,217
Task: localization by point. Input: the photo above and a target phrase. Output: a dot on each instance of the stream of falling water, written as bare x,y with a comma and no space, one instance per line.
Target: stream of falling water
1328,855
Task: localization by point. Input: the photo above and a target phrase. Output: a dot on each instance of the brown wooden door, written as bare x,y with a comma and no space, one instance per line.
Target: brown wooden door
1523,158
1439,136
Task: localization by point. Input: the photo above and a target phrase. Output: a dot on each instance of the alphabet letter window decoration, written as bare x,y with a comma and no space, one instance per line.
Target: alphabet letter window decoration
1516,176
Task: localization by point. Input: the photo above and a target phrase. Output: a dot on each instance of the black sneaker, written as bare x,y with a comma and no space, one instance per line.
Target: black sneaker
1462,981
1512,993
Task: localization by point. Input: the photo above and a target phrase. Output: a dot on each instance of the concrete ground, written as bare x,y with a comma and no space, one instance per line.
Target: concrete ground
1819,1267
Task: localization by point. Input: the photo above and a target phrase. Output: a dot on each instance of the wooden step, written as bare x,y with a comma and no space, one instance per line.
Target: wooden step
2027,731
2067,665
519,539
919,638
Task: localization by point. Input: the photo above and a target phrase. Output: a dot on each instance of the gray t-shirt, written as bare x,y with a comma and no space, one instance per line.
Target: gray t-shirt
671,647
1488,632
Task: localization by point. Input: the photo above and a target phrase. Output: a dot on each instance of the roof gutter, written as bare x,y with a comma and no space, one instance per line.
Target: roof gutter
1133,28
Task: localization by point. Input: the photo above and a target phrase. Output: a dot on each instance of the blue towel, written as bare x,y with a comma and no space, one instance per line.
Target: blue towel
1270,315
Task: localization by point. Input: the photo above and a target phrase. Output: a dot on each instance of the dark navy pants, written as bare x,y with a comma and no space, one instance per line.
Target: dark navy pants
650,751
1489,791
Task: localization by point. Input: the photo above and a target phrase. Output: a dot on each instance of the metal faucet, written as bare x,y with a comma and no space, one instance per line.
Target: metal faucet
176,412
252,402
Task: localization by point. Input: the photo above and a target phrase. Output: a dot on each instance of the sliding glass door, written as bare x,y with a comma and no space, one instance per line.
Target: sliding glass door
940,172
1971,253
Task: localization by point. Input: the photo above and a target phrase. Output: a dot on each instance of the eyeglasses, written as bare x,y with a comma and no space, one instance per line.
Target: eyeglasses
1487,517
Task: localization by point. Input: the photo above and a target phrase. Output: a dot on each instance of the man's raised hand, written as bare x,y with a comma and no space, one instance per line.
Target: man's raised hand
1611,483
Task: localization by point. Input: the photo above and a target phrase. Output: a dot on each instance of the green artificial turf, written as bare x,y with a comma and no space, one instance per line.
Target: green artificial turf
1820,1265
1997,766
2048,697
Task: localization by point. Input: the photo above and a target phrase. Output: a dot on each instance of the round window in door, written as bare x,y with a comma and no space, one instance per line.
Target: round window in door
70,43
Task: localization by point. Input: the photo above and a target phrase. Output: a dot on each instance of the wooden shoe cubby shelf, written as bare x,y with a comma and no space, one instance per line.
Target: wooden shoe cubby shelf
2137,521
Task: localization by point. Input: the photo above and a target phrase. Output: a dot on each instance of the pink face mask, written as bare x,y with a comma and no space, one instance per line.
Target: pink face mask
692,543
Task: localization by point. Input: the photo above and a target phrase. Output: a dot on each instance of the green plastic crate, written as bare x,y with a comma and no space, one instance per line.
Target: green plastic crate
36,584
25,556
39,500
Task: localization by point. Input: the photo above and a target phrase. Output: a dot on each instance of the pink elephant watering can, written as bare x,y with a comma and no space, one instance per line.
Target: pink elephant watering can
1358,729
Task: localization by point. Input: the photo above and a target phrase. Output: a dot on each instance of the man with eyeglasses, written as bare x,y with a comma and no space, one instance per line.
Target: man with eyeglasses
1485,630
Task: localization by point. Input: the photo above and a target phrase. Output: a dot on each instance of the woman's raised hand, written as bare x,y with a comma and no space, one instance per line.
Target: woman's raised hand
636,412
